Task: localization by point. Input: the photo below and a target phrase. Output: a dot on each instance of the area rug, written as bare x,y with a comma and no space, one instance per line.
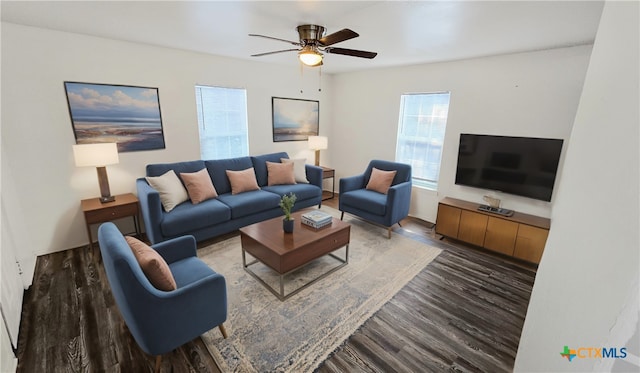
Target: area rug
296,335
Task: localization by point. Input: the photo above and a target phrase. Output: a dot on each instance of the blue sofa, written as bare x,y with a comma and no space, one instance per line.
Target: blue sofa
227,212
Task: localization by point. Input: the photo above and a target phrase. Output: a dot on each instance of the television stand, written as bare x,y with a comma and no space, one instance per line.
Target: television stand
520,235
495,210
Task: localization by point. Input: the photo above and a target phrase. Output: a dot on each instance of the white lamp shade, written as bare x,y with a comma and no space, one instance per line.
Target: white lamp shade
318,142
97,155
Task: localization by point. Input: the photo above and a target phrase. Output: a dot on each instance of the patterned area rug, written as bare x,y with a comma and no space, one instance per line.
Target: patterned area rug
267,335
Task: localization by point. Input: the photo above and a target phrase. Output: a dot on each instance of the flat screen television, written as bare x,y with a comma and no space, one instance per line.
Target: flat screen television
523,166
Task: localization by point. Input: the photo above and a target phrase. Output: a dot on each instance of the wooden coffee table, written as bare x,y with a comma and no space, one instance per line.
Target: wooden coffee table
286,252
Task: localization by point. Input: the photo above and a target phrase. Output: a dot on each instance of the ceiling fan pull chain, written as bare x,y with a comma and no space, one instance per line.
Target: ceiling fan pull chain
301,77
320,79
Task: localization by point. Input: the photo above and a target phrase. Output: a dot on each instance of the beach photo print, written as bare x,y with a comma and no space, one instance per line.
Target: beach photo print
294,119
127,115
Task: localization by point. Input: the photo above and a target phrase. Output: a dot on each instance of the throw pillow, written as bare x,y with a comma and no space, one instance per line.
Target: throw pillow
242,181
153,265
380,181
172,192
299,170
199,186
280,173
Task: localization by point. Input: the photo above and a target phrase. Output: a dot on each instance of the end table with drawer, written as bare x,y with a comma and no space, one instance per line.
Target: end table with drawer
329,173
96,212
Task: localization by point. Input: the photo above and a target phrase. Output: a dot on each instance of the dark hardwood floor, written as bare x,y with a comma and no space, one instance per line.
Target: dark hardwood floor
463,312
70,323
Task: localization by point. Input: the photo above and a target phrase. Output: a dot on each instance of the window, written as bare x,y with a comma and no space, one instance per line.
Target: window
421,127
222,120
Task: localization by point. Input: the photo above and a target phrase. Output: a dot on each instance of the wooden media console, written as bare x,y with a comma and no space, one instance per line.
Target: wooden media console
521,235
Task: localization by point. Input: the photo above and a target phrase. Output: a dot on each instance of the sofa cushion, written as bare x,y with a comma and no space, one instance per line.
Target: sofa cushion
260,165
171,190
403,170
158,169
302,191
199,186
366,200
380,180
187,217
280,173
242,181
153,265
249,203
299,169
217,169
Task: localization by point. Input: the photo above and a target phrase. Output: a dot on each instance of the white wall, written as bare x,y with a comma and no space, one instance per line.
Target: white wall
37,133
529,94
586,290
8,361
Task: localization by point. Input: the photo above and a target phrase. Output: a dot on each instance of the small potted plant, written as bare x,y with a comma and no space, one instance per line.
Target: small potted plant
286,204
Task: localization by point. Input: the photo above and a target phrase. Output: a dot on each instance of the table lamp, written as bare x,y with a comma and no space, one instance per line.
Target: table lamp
99,156
318,143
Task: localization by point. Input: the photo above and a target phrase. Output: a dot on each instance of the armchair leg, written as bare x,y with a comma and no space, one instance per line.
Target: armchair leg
389,232
158,361
342,215
223,331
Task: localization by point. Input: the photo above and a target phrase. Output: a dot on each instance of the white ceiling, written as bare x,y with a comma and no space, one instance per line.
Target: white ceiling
402,32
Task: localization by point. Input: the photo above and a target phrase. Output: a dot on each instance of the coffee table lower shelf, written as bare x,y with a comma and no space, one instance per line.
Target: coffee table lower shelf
281,295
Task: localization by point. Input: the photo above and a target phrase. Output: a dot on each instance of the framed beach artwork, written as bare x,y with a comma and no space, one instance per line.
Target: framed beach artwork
294,119
127,115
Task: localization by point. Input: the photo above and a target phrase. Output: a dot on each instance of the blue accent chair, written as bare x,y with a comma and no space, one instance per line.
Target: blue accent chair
161,321
384,209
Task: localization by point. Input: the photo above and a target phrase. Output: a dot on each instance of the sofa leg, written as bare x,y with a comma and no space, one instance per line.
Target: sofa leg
223,331
342,215
389,232
158,361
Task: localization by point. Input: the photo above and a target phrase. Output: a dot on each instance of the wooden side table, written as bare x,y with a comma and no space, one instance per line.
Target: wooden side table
96,212
329,173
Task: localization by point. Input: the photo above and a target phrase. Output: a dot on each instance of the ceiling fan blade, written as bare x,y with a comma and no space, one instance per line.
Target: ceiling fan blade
338,36
351,52
274,52
272,38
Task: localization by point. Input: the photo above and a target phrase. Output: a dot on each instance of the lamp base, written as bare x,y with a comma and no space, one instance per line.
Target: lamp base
107,199
103,180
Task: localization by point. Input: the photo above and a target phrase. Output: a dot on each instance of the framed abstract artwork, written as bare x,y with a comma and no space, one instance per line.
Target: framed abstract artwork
294,119
127,115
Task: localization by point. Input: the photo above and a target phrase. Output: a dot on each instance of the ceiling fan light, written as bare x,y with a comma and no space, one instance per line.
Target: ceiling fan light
310,57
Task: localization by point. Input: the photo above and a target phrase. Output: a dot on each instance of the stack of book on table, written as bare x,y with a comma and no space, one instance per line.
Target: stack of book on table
316,219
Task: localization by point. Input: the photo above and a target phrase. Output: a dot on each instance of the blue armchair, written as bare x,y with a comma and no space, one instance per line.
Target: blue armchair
384,209
161,321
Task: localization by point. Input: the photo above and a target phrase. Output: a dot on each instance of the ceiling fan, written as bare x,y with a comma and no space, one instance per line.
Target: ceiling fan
313,43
